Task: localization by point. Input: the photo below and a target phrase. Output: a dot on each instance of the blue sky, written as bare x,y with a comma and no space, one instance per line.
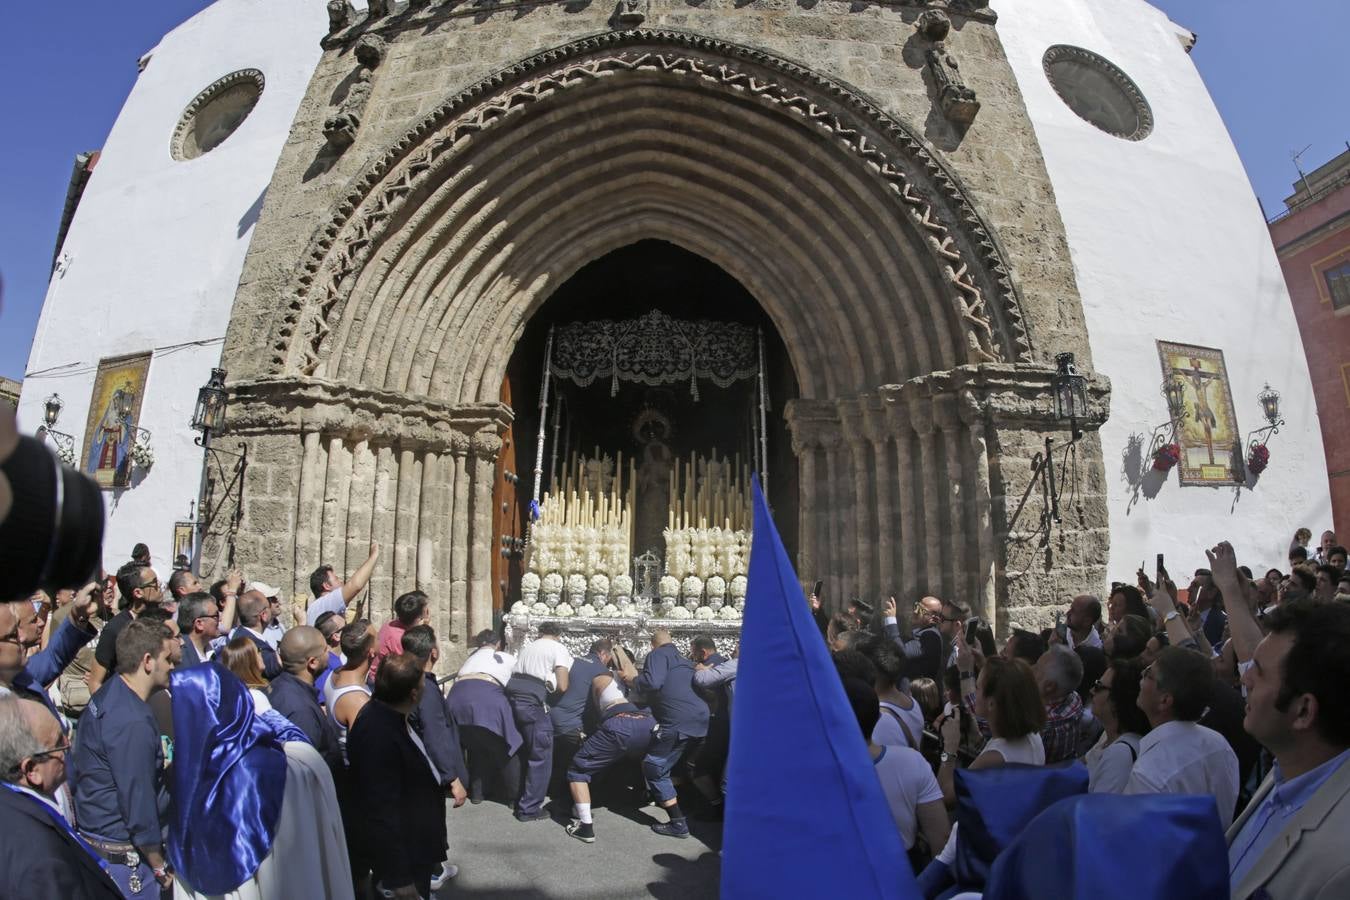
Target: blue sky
1276,71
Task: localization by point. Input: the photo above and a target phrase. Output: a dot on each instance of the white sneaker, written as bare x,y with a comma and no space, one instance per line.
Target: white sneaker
448,871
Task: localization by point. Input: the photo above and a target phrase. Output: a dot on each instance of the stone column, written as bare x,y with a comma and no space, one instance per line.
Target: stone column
883,495
910,518
335,494
930,469
864,536
309,514
972,414
405,523
954,506
483,451
460,509
808,423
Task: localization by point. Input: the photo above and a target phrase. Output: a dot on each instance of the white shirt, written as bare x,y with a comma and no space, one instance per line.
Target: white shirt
333,601
888,732
1094,639
539,658
489,661
1027,750
1186,758
1109,765
906,780
272,634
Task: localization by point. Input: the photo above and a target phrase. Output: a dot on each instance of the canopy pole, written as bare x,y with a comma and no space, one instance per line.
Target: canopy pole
763,418
543,420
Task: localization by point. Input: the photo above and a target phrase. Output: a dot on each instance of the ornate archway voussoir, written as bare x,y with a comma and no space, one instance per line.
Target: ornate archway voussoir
963,248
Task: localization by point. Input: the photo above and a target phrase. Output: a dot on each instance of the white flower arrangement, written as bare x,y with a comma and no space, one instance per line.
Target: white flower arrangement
626,611
599,585
692,587
729,614
717,586
738,586
621,586
704,613
563,611
609,611
669,586
576,586
680,612
539,609
530,583
520,608
66,454
141,455
553,583
586,611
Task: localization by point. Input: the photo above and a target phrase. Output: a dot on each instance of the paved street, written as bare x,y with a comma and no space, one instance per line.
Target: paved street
500,857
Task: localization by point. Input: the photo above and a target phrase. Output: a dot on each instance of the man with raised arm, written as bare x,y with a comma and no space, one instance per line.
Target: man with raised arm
335,595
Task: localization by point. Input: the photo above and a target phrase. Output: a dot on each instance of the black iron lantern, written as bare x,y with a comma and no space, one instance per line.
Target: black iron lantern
1270,404
123,401
1175,392
52,410
1070,389
209,414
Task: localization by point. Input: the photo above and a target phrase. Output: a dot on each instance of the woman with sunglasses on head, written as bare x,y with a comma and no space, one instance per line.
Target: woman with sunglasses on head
1114,697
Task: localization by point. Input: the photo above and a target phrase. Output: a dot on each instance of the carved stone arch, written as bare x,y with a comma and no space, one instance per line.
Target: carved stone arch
386,204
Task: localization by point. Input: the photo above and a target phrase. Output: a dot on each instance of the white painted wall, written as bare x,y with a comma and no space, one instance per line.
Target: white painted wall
1168,243
154,252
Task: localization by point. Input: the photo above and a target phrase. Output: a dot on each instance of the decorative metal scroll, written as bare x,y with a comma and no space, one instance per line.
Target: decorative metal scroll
655,350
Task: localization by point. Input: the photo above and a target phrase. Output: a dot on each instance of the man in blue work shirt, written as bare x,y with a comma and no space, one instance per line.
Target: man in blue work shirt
292,693
667,684
120,796
574,715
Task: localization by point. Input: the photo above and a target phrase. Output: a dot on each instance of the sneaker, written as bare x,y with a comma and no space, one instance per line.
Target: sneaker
537,816
676,828
448,871
582,831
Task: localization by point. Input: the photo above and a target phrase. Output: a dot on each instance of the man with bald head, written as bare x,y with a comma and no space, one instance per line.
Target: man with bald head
255,611
304,656
666,683
38,849
1081,623
923,648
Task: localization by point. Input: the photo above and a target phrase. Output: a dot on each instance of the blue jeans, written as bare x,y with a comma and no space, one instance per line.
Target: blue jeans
664,755
536,728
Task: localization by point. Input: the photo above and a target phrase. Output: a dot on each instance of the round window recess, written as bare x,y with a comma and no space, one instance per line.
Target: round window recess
1098,91
215,113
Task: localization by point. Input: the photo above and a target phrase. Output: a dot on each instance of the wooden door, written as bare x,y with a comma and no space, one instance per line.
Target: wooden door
509,540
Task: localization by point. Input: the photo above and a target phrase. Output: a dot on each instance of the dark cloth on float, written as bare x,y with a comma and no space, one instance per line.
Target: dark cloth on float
119,762
401,799
667,681
41,855
482,703
569,711
105,654
625,733
271,662
299,702
434,725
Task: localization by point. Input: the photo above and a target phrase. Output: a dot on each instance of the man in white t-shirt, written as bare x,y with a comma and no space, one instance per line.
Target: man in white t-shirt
542,668
332,594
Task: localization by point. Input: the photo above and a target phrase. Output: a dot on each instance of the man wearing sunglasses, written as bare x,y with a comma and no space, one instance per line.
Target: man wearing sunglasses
20,632
140,588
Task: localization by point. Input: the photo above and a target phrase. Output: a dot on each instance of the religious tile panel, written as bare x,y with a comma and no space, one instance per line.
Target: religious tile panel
114,416
1209,434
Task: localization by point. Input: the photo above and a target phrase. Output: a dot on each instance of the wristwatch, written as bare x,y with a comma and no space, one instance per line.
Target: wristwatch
944,757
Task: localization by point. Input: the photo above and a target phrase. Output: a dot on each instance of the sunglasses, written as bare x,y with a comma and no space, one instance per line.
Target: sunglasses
59,748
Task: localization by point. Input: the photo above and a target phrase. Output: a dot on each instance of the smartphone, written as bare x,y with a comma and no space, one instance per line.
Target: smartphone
1160,568
817,589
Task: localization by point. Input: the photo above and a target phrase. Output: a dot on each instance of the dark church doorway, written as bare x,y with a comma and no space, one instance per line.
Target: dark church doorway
703,427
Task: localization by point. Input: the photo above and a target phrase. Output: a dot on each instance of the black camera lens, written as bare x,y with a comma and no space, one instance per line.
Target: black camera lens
53,535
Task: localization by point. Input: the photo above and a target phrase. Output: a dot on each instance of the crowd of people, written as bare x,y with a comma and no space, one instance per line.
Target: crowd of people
140,716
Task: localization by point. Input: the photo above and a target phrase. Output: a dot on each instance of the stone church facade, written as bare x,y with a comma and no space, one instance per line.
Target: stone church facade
868,173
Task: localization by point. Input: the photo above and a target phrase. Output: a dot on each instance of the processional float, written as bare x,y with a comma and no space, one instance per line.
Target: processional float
618,546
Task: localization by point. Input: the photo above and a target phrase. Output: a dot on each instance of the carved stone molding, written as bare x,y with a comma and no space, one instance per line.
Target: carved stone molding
809,422
630,13
962,246
271,405
1008,395
341,127
485,444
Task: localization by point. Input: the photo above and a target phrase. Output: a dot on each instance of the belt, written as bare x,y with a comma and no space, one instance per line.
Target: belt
478,676
117,853
530,678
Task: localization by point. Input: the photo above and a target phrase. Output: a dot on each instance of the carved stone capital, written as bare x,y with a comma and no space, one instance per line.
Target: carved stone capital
294,405
486,444
809,423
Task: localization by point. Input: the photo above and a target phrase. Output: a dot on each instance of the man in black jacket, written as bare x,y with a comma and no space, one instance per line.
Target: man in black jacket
397,785
304,655
255,611
39,852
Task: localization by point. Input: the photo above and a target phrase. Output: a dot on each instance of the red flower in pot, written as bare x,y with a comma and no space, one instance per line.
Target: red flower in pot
1258,458
1166,456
